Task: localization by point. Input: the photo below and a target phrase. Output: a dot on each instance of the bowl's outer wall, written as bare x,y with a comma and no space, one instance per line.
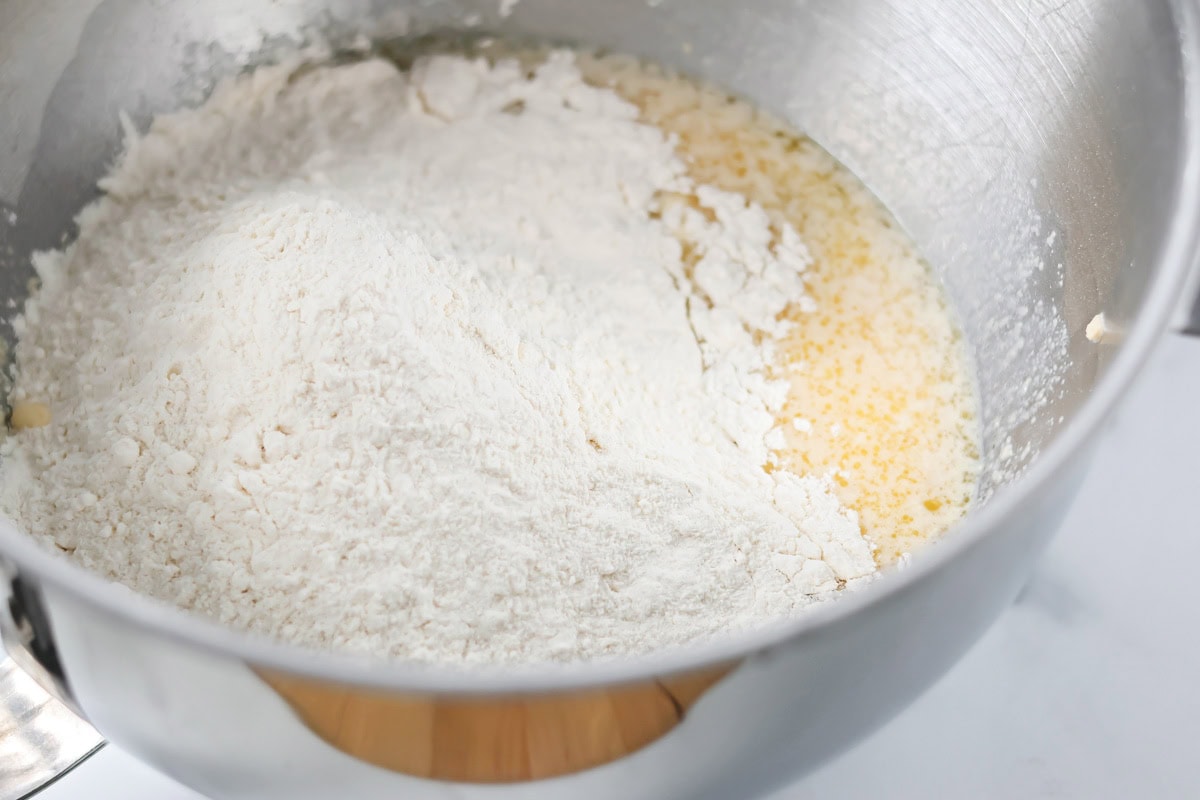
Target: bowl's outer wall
1033,149
210,722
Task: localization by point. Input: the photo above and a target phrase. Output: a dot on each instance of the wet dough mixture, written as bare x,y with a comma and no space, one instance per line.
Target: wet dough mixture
881,395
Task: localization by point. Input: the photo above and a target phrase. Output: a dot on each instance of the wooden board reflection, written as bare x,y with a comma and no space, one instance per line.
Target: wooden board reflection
491,740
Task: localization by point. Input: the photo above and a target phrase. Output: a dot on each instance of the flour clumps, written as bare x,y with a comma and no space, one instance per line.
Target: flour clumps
452,365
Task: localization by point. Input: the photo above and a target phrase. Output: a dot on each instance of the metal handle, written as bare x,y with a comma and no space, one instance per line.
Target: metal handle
1188,313
40,738
1191,324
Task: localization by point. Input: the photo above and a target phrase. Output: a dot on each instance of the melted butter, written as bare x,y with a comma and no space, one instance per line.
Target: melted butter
881,396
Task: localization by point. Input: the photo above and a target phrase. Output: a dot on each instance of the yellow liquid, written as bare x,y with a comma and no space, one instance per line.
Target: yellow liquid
881,395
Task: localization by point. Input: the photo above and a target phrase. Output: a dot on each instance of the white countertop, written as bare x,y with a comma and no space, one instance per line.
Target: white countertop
1087,688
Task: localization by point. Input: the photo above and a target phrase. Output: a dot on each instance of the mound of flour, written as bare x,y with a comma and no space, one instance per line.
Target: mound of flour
452,365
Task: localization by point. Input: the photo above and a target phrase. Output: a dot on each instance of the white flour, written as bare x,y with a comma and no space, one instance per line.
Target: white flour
412,365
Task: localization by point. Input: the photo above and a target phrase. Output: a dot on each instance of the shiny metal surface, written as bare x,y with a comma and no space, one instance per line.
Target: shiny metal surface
1045,155
40,738
41,733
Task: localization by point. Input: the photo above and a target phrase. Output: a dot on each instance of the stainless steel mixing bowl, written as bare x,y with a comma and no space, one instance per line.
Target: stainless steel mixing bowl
1044,155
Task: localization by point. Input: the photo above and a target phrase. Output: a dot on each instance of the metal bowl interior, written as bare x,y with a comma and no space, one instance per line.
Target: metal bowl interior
1040,154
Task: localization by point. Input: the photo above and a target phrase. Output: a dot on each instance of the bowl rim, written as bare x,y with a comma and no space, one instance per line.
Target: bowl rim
1176,259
